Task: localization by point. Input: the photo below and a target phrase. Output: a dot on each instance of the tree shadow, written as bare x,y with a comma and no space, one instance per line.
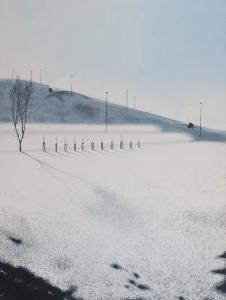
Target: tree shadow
45,166
51,170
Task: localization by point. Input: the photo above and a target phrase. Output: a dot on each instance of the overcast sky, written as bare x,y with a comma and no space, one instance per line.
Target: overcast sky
170,54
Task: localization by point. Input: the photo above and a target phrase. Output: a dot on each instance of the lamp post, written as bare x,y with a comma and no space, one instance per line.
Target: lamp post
127,98
106,111
71,84
40,76
200,119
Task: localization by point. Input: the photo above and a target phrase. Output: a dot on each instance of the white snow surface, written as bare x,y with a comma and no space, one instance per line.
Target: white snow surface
158,211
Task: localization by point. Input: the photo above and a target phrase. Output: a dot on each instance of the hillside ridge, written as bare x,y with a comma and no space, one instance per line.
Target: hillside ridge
60,106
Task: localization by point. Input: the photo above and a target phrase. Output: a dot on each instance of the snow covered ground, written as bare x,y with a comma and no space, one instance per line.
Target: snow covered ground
144,223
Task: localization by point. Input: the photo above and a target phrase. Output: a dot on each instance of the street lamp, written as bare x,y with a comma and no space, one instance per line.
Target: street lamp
106,111
127,98
200,119
40,76
71,84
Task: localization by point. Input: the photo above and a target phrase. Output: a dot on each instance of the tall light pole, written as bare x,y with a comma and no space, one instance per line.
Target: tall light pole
106,111
40,76
45,77
71,83
127,98
200,119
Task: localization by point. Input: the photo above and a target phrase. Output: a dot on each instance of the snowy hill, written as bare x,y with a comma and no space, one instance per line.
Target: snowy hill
60,106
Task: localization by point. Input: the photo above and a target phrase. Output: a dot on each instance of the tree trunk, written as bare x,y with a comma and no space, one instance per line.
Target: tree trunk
20,148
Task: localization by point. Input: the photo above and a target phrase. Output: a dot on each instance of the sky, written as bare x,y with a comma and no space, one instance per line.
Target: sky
169,54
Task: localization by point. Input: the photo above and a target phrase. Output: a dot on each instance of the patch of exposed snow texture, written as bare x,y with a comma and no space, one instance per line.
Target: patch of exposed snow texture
144,223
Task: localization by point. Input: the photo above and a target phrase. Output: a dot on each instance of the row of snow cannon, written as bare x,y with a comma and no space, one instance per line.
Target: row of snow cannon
92,145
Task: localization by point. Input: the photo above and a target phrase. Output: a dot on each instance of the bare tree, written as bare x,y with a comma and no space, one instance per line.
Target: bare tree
20,102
